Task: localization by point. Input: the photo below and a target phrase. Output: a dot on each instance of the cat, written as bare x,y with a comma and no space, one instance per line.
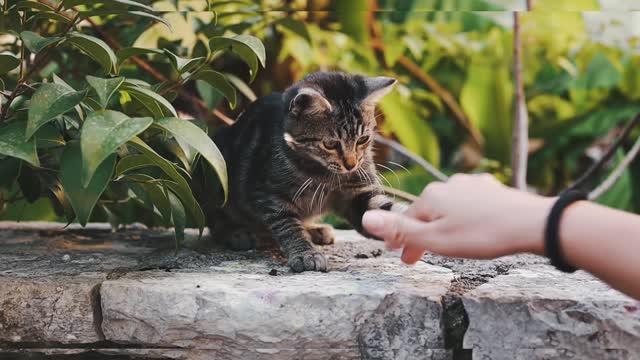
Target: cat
294,156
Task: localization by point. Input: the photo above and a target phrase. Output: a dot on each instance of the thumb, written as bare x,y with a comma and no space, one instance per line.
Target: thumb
396,229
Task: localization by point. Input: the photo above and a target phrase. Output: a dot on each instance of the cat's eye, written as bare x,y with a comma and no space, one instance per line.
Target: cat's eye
331,144
363,140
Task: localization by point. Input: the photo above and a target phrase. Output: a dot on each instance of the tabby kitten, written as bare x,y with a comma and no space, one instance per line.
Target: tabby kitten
292,157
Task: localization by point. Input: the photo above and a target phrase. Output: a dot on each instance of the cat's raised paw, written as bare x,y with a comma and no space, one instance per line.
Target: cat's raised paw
308,261
321,234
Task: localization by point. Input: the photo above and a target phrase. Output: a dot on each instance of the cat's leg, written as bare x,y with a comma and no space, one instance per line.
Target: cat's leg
294,241
321,234
353,209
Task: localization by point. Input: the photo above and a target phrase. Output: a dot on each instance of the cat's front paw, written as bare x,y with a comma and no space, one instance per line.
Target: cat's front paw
321,234
310,260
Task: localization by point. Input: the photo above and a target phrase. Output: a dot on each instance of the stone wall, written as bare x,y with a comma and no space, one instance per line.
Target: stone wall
94,294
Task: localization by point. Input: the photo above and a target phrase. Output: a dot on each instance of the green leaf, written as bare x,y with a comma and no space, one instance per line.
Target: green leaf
8,62
185,153
183,65
94,48
34,5
492,115
132,162
297,27
194,136
157,194
105,88
599,122
49,101
35,43
12,143
49,136
125,53
83,199
78,108
354,26
394,44
600,73
209,95
218,81
241,86
102,133
249,48
178,183
630,85
49,16
104,12
404,120
10,169
154,102
178,218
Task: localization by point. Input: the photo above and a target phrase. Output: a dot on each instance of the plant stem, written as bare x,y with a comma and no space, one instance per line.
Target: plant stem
598,165
417,159
529,5
521,120
617,172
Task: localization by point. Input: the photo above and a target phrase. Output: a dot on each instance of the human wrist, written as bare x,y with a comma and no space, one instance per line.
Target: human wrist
534,214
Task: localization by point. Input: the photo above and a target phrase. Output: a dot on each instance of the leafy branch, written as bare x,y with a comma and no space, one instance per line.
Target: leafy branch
584,179
617,172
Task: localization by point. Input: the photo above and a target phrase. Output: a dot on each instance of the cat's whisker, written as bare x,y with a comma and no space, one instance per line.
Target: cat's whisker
368,177
301,189
313,198
393,172
321,198
388,183
400,166
358,171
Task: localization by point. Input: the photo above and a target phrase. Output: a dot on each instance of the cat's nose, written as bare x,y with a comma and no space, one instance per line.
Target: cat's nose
350,162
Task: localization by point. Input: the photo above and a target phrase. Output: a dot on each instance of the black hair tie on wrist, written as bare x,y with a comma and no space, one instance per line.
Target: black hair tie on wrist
552,231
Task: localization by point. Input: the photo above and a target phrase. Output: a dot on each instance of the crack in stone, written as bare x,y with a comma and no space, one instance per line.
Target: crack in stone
96,304
60,293
455,320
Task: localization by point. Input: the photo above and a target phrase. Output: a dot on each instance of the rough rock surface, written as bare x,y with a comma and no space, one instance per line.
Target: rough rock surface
94,294
561,316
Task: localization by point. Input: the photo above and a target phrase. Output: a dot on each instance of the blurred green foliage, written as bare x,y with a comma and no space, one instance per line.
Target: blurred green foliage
453,60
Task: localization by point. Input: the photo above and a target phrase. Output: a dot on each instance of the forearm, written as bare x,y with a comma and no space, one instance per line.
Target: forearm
605,242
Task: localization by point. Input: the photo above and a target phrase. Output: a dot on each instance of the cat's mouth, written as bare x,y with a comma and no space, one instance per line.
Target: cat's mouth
339,170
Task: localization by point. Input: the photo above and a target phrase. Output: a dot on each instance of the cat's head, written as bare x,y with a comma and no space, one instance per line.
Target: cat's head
330,117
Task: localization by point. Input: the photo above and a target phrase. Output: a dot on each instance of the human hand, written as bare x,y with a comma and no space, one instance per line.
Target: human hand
472,216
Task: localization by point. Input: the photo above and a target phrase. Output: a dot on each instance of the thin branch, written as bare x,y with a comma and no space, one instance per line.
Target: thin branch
617,172
608,155
417,159
400,194
521,120
529,5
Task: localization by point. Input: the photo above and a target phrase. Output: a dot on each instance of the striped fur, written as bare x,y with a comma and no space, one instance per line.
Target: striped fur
292,157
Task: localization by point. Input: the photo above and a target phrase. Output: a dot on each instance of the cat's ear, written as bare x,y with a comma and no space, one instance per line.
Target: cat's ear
378,87
309,101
